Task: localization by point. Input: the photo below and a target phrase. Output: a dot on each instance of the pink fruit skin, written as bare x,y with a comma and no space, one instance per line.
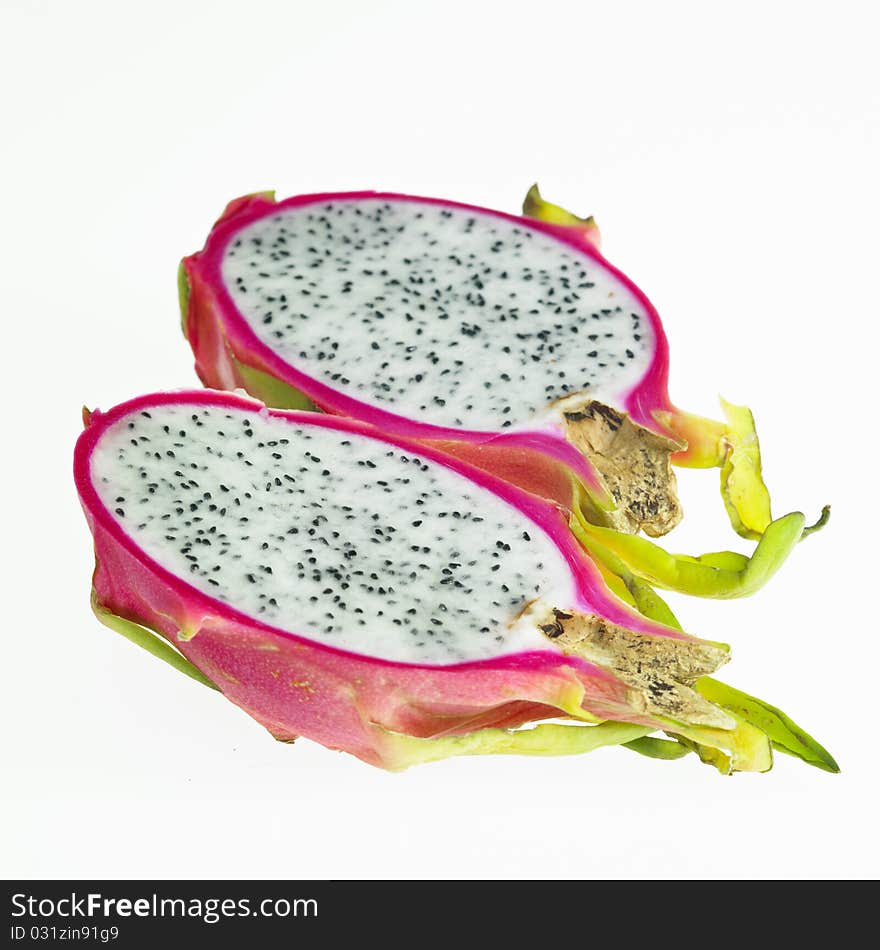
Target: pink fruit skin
219,336
295,686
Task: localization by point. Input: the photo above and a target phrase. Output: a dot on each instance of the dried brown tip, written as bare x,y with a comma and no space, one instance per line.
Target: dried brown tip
633,462
659,671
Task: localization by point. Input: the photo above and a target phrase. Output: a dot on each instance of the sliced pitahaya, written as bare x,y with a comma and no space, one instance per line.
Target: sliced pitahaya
509,342
376,595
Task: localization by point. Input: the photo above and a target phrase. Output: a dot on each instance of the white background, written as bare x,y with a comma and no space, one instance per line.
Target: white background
730,154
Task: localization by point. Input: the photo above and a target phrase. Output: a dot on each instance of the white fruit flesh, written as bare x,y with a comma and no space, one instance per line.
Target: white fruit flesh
331,535
452,317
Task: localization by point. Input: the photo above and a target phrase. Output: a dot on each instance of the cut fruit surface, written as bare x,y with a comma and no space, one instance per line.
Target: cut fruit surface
373,594
510,342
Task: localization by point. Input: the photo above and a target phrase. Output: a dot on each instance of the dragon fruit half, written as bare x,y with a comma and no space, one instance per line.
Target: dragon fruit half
509,342
381,597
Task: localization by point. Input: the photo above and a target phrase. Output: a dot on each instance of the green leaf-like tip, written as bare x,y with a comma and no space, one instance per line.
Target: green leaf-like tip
819,524
785,734
270,390
655,748
745,495
183,292
149,641
732,446
721,574
545,739
534,206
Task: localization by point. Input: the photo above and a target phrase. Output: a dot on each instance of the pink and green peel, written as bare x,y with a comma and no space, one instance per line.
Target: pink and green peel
389,714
